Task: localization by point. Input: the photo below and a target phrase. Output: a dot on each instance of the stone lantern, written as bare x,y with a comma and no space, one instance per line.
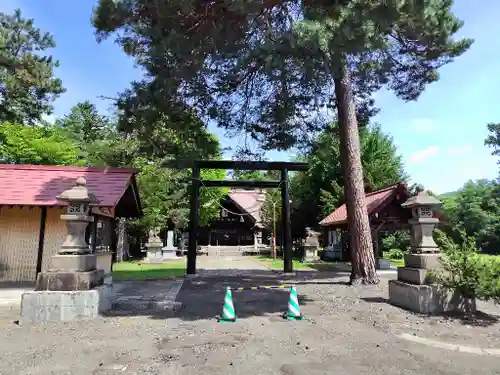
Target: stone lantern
412,290
311,246
74,267
72,288
422,222
77,217
154,246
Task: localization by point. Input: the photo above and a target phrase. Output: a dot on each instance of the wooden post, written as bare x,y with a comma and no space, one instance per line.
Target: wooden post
94,233
287,233
194,220
41,240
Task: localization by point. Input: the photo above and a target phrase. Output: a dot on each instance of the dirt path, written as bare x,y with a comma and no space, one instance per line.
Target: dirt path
349,331
225,263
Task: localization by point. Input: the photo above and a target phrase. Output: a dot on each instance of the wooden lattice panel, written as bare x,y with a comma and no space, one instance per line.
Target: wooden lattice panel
19,233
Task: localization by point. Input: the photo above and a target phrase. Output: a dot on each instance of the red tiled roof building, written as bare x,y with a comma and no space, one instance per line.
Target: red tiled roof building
30,227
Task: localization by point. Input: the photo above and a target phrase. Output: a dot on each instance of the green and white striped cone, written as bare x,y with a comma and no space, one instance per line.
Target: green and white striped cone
293,312
228,313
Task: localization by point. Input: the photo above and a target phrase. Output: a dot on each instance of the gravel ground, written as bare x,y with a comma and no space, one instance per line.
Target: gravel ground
343,334
368,304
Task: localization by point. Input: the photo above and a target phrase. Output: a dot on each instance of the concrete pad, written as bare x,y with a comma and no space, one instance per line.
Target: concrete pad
157,295
60,306
424,299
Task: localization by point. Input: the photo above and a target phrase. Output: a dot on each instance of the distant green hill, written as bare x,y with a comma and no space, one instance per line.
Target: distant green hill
448,194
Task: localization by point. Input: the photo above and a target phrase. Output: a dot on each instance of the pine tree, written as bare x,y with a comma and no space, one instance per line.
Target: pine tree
27,84
84,124
263,67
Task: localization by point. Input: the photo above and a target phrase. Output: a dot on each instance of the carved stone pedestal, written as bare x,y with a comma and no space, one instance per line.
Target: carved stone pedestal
424,299
310,254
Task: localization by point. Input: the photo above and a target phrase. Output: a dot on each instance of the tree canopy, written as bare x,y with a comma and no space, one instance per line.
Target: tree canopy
264,68
263,65
27,83
318,192
20,144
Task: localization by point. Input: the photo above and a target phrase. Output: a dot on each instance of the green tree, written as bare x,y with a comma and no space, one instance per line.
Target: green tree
21,144
163,127
475,210
84,124
493,139
262,66
466,272
27,84
319,191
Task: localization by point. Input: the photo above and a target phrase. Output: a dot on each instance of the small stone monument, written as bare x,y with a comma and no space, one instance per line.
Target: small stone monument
169,252
154,246
311,246
411,290
72,287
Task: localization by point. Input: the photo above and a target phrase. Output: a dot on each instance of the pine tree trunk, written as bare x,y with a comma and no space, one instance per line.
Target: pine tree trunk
362,257
121,245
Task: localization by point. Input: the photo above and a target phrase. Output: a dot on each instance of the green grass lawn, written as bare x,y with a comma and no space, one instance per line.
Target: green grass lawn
139,270
278,263
397,262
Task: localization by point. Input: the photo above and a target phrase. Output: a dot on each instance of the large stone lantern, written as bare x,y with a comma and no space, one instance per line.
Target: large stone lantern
412,290
423,222
72,287
77,217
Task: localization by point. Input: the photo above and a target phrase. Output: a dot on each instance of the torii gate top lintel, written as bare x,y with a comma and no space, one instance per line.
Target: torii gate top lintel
240,165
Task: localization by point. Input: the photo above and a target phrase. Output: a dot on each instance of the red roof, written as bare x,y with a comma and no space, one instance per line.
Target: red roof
39,185
250,201
373,201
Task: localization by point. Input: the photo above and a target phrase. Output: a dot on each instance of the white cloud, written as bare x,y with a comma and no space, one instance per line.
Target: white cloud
423,125
459,150
49,118
420,155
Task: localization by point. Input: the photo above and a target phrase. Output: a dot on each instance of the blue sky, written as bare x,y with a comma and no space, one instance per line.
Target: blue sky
441,136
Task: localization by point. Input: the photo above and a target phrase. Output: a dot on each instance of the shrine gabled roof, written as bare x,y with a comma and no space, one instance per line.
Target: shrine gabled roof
39,185
250,201
374,200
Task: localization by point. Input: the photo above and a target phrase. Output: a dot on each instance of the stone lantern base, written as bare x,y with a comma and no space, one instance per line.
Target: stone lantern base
310,254
412,292
71,289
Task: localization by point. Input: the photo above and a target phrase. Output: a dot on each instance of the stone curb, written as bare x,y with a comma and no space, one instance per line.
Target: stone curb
447,346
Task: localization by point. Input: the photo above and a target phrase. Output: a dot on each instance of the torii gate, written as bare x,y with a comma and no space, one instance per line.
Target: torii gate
283,184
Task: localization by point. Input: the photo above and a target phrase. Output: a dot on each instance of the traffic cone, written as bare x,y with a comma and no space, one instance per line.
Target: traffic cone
228,313
293,312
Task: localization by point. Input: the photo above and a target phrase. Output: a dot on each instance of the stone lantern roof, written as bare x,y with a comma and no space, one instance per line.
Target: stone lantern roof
422,198
78,193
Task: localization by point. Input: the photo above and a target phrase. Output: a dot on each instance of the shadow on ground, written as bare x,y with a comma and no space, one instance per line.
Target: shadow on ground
481,319
16,285
202,297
